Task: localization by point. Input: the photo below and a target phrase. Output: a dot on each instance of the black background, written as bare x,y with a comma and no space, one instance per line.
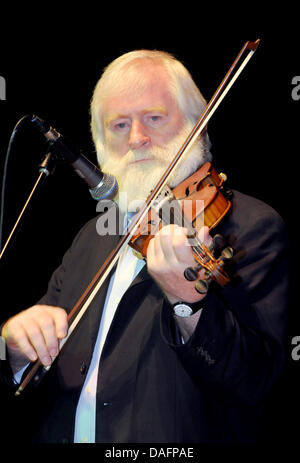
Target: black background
51,61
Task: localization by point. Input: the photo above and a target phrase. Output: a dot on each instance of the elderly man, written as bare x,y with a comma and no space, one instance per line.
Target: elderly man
135,370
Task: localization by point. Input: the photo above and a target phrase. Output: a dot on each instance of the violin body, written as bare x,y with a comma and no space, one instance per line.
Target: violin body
202,204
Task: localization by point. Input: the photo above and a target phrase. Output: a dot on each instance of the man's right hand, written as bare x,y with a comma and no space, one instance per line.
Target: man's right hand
34,333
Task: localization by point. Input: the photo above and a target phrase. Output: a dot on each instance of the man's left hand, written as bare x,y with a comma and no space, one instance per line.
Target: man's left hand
169,253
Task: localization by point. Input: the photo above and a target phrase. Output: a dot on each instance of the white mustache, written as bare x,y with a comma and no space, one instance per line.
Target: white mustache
152,154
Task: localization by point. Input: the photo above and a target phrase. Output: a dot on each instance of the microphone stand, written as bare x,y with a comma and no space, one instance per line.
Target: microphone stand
44,171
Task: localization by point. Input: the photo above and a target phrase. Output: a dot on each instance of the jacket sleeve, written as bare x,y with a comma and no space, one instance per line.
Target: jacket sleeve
50,298
237,348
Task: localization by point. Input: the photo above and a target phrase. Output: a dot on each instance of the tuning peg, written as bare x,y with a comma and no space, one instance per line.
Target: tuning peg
227,253
201,286
191,273
218,241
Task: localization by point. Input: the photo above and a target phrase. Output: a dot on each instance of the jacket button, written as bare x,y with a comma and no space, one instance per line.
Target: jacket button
83,368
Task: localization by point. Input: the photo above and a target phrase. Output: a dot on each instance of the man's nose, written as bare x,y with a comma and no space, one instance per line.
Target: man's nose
138,137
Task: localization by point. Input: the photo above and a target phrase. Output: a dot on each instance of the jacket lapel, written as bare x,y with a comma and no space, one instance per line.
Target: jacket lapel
96,311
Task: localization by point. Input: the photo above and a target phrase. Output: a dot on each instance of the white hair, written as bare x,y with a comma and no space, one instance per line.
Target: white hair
185,91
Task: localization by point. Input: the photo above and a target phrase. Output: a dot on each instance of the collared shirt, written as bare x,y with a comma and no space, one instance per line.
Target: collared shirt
127,269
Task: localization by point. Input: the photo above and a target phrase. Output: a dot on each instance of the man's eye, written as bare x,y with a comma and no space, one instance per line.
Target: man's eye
155,120
121,126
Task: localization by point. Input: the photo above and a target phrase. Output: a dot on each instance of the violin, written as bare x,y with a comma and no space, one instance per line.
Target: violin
179,206
205,185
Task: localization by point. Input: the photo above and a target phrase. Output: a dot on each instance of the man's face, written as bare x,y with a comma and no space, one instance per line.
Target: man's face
138,119
143,130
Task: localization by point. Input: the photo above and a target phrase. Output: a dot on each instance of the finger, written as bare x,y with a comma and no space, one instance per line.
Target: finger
60,319
180,247
38,341
21,342
48,330
155,257
171,239
155,246
204,236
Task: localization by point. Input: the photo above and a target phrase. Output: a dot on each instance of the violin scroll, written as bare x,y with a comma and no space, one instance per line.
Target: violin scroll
214,267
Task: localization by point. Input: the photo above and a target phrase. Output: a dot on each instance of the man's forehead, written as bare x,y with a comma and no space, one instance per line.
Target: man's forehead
146,95
137,82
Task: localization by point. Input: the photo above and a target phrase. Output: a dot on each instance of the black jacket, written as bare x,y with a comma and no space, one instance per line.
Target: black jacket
151,388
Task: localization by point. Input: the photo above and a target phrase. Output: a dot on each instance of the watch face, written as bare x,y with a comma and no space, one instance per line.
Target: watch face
182,310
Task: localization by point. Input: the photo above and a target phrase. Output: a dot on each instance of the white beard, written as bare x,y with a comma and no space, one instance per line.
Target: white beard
136,180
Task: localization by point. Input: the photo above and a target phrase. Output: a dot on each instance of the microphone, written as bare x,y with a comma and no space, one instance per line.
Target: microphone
101,185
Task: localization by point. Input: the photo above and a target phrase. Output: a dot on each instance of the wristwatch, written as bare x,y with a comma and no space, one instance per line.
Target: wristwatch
185,309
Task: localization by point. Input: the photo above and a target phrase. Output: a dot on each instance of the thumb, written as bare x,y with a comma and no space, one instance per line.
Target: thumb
204,236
